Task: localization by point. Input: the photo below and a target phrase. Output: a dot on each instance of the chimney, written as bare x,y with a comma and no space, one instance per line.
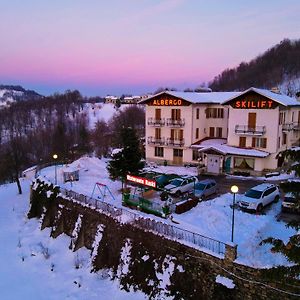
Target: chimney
275,90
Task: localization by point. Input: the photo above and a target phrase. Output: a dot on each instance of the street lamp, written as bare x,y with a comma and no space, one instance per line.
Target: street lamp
55,156
234,190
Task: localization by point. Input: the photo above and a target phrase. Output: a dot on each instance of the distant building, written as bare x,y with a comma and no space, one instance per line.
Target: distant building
131,99
111,99
224,132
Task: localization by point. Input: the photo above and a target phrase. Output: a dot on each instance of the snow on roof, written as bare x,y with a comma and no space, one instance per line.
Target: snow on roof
280,98
193,97
219,146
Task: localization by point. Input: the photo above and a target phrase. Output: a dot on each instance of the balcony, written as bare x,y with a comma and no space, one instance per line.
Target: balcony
248,130
175,123
291,126
175,142
154,141
156,122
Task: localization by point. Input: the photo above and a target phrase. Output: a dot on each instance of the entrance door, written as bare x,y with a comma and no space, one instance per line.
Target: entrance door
252,120
177,156
213,163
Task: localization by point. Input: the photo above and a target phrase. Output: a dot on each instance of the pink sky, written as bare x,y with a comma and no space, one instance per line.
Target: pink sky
134,46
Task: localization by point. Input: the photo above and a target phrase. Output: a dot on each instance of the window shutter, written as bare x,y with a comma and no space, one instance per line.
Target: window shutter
253,142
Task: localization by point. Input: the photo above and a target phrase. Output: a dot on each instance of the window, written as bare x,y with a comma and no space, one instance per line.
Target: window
177,134
281,118
158,133
196,155
197,113
284,138
211,131
159,152
197,133
157,114
219,132
242,142
259,142
214,113
175,114
243,163
178,153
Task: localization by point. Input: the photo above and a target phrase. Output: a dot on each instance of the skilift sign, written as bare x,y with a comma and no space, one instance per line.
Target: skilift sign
253,104
141,180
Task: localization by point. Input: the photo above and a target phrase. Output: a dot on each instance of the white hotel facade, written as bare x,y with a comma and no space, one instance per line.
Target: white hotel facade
223,132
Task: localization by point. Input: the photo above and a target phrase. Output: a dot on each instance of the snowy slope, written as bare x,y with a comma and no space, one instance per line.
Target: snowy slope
209,218
37,267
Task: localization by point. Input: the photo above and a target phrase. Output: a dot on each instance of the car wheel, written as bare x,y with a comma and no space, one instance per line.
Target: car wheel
178,194
259,208
276,199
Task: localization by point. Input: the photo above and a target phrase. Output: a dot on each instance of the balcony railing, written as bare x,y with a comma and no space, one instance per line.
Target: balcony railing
156,122
291,126
175,142
175,123
249,130
155,141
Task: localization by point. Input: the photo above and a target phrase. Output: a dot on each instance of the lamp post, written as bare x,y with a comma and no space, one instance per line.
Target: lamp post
55,156
234,190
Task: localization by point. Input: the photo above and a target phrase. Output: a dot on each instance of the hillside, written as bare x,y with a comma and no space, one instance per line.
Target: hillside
279,66
13,93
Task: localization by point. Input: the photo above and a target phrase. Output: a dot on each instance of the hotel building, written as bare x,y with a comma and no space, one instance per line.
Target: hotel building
221,131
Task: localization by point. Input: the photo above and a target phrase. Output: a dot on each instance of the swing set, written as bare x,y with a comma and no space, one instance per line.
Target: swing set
104,191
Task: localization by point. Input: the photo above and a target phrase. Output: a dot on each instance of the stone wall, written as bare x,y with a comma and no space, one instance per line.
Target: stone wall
145,261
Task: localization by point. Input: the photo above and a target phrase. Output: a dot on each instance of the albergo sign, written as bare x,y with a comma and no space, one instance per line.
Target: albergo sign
141,180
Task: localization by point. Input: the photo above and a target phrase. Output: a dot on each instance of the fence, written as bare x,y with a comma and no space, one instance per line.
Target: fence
152,225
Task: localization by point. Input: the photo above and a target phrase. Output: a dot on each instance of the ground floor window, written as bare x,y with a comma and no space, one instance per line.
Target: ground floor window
196,155
244,163
259,142
159,152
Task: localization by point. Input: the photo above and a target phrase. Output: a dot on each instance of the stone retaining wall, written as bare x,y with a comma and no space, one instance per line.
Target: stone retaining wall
145,261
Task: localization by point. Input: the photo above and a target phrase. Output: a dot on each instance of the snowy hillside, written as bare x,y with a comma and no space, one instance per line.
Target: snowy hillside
37,267
10,94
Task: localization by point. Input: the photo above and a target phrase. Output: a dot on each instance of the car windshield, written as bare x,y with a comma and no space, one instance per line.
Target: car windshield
253,194
290,199
199,186
176,182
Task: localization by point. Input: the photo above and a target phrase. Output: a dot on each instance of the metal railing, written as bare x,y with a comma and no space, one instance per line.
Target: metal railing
175,123
291,126
155,141
175,142
167,230
156,122
249,130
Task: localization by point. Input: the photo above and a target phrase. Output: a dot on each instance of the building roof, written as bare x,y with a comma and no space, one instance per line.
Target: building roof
218,145
193,97
279,98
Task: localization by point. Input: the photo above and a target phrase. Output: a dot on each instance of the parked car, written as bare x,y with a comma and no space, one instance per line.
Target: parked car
164,179
181,185
289,204
259,196
205,188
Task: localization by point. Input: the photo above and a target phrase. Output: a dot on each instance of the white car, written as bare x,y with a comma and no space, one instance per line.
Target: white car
181,185
290,204
259,196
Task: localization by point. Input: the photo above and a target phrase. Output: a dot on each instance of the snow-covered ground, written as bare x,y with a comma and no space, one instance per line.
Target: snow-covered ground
211,218
35,266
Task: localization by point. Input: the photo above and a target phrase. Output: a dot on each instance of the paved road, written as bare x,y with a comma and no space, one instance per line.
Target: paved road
226,182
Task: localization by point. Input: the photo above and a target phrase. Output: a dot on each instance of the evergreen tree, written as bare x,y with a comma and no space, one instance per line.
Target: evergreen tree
128,160
291,249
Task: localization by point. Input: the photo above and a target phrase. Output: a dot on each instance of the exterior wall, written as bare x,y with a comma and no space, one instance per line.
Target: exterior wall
187,115
268,118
